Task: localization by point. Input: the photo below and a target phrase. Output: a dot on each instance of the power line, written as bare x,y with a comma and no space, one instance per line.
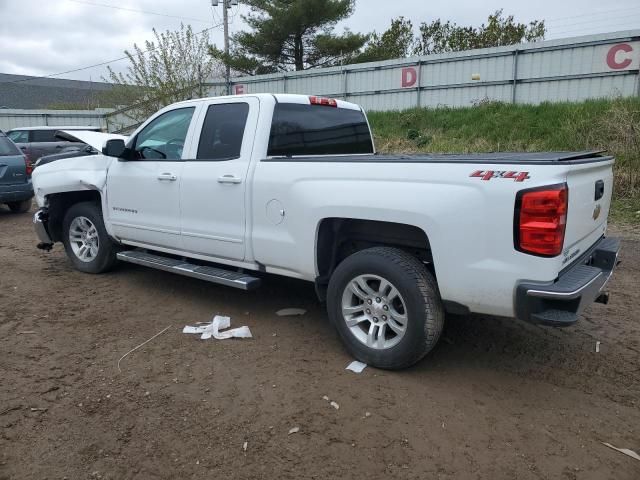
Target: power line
591,31
605,24
599,12
96,64
600,21
114,7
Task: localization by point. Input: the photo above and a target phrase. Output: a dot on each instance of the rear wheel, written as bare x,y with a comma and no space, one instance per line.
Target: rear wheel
85,239
386,307
20,207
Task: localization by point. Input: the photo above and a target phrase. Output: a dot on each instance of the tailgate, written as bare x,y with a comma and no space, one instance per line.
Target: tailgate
12,170
590,188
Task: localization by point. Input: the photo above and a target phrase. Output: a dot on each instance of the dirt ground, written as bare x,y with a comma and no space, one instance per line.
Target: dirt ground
496,399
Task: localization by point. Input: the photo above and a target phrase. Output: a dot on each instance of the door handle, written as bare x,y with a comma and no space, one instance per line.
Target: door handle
169,177
229,179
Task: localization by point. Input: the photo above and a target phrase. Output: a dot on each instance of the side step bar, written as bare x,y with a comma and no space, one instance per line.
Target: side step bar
210,274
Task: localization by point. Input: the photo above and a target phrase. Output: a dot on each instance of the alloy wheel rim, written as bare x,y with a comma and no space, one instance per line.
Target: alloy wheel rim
83,238
374,311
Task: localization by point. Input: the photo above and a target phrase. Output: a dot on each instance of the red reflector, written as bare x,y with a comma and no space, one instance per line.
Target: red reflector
327,102
28,165
541,218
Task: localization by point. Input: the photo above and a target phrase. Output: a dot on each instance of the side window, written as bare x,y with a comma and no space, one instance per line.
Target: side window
44,136
223,131
164,137
19,136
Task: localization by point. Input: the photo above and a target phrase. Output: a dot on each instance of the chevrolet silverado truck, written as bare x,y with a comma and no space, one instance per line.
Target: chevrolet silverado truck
229,189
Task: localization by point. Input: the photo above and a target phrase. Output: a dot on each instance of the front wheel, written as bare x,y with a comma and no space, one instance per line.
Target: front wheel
386,307
85,239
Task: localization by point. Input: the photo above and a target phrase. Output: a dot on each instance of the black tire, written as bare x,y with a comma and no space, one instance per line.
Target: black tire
20,207
424,309
105,258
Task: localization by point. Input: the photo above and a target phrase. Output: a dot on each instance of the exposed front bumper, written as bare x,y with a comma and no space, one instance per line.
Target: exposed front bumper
561,302
40,223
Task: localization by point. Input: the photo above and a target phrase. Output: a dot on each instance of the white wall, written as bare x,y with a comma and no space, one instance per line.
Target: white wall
573,69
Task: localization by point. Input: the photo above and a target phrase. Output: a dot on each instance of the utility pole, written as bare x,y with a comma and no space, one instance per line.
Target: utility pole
226,5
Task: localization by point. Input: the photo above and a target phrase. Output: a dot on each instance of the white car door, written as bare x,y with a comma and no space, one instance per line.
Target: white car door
143,190
214,180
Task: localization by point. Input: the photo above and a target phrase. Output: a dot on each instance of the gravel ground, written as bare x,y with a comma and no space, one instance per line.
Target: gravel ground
496,399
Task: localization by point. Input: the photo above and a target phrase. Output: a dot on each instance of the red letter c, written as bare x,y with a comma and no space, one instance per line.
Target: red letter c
611,56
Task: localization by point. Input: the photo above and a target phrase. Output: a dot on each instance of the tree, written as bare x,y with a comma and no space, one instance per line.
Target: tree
442,37
172,68
291,35
396,42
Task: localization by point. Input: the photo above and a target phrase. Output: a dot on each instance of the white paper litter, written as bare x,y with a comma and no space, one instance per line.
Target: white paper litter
356,366
291,312
208,330
294,430
626,451
597,347
335,405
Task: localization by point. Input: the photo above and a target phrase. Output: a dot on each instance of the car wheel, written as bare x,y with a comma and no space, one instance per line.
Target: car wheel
85,239
20,207
386,307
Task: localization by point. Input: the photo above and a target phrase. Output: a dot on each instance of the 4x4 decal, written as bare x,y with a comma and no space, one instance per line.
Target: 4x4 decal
489,174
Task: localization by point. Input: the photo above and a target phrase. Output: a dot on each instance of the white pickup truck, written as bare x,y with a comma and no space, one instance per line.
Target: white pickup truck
227,189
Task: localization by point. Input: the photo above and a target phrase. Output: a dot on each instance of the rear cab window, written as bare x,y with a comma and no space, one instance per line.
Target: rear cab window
7,147
302,130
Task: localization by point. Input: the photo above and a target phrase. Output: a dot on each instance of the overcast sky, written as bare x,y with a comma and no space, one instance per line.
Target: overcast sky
44,37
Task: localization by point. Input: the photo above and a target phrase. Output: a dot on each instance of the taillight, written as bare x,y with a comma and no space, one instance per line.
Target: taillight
540,220
28,165
327,102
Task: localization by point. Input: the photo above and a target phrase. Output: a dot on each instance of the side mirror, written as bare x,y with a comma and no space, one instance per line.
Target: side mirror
114,148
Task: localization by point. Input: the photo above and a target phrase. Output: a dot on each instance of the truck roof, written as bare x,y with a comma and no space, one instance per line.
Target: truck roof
279,97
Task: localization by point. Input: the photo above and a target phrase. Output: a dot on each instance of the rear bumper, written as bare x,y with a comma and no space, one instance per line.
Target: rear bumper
16,193
40,224
561,302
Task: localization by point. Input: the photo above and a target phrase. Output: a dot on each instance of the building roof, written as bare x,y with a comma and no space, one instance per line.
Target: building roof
22,91
58,127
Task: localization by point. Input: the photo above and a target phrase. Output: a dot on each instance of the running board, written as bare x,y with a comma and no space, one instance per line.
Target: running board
181,267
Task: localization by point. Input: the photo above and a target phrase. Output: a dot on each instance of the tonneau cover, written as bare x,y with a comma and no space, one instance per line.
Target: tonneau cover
586,156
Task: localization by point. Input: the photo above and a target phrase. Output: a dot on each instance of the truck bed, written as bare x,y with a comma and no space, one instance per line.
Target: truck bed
522,158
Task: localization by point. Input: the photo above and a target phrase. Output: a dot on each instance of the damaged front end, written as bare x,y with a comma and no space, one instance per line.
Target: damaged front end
41,225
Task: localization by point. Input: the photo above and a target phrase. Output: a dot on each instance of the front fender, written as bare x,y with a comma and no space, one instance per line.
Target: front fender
70,175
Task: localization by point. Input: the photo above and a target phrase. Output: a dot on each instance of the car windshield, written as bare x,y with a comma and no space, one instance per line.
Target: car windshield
7,147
